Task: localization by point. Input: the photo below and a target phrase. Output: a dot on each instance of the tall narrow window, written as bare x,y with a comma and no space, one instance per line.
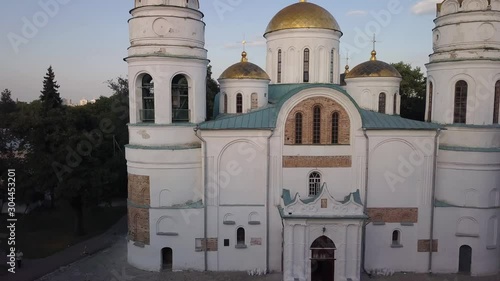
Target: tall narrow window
332,65
314,183
298,128
255,101
148,99
316,125
306,66
335,128
396,238
180,99
496,106
225,103
395,104
460,114
240,236
382,102
239,103
431,97
279,65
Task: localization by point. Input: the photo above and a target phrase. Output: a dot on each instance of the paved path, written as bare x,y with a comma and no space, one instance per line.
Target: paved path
33,269
109,263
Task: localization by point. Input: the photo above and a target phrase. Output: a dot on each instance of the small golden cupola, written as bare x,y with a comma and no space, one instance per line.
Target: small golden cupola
375,85
303,15
244,70
244,87
373,68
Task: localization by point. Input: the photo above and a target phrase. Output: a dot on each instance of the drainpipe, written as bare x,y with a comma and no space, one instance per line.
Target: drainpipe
268,197
205,193
434,177
365,205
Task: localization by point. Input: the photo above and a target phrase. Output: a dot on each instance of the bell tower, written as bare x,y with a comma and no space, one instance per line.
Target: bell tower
167,62
167,82
464,68
464,95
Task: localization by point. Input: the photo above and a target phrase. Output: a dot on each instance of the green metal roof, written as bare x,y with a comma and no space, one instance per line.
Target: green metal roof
378,121
265,118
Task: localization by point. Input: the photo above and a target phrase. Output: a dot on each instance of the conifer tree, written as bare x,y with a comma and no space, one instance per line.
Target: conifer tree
50,95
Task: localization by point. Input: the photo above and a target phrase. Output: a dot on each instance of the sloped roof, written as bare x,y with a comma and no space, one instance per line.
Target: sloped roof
265,118
378,121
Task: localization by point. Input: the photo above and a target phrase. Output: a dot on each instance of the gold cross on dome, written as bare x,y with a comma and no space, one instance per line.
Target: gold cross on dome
244,42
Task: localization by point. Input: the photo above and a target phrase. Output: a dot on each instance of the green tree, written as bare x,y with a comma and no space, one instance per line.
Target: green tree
7,105
75,153
96,142
50,94
120,87
413,91
212,90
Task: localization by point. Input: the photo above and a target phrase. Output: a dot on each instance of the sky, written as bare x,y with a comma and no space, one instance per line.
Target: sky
86,40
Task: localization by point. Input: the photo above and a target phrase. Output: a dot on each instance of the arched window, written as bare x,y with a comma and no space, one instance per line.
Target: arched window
255,101
298,128
180,99
431,96
335,128
332,65
240,236
225,102
148,99
381,102
460,115
239,103
314,183
396,238
317,125
279,65
496,105
395,104
306,66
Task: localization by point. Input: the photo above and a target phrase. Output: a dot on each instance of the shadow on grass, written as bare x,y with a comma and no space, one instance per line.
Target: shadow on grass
45,232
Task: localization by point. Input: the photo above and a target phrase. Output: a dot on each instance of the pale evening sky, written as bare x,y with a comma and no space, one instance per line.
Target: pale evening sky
86,40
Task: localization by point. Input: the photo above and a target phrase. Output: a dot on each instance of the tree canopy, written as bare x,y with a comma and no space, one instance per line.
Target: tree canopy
50,94
413,91
212,90
74,153
7,105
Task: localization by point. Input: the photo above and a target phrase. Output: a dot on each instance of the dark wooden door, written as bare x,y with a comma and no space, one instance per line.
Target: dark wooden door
465,260
323,270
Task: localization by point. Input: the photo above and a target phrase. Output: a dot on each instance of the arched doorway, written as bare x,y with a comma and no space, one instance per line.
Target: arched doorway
166,258
323,259
465,260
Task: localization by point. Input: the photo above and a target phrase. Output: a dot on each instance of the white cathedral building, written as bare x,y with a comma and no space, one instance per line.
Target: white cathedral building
307,170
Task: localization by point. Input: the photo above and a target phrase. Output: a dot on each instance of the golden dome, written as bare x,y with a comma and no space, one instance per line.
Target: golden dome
244,70
373,68
302,15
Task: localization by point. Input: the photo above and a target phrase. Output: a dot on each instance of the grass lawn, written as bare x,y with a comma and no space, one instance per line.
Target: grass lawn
43,232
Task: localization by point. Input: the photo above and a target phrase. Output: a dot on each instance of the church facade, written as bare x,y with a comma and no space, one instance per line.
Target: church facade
306,169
